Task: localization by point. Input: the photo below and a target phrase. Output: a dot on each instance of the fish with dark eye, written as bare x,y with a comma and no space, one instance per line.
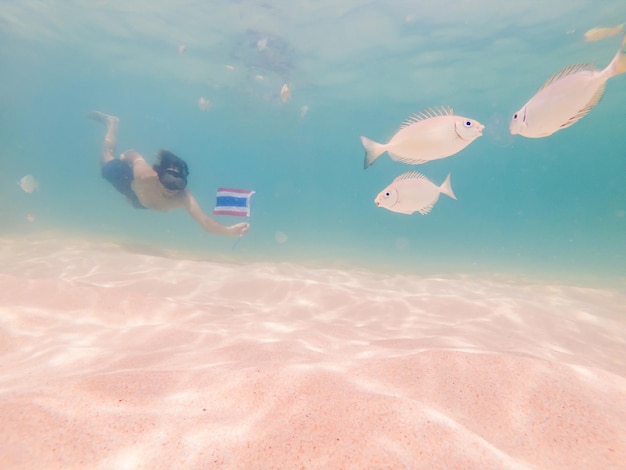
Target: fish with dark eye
566,97
412,192
430,135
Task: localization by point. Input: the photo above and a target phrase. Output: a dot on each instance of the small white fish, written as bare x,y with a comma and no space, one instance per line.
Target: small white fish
285,93
229,67
595,34
303,110
204,104
566,97
29,184
260,78
430,135
182,49
261,44
412,192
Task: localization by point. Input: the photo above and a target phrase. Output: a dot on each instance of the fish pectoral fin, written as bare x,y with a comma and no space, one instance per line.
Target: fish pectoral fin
427,209
588,107
407,160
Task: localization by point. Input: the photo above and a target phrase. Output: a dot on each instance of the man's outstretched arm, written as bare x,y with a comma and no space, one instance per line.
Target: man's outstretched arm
211,225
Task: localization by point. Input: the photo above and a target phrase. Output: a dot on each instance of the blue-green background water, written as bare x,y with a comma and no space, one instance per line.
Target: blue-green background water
552,206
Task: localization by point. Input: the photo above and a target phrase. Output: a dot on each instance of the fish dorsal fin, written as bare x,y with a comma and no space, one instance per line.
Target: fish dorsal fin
411,175
569,70
427,114
594,101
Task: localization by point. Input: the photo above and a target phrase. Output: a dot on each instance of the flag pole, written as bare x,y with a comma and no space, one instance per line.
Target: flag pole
240,236
236,243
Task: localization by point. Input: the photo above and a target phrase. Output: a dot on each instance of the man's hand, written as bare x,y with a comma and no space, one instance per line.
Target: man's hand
238,230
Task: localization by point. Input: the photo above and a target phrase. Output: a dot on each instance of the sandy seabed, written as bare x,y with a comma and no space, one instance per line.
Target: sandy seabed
114,359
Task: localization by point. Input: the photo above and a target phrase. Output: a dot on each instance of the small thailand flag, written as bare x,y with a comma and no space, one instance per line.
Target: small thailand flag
233,202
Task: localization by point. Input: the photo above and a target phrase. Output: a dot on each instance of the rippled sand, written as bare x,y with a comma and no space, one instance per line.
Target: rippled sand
112,359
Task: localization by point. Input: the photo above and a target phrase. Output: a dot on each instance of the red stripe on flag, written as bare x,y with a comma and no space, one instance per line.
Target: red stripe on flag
242,191
221,212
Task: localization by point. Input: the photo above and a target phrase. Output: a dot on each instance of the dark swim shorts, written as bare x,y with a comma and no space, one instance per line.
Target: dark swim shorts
120,175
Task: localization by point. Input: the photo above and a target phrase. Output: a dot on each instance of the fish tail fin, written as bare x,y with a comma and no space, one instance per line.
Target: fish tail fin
618,64
373,150
446,188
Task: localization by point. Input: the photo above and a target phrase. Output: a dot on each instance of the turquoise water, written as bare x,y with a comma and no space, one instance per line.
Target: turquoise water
543,207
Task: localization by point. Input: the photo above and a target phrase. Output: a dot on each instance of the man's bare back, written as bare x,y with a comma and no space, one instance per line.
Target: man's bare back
146,185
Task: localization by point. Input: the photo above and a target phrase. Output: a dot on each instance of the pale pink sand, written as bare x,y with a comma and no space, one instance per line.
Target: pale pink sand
110,360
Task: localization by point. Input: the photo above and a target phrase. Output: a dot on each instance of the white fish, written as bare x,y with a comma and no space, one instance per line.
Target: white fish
565,98
182,49
430,135
261,44
303,110
285,93
411,192
29,184
595,34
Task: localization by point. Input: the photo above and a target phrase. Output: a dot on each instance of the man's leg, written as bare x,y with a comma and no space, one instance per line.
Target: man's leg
110,139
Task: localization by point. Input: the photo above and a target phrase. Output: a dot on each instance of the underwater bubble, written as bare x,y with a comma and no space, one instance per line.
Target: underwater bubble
497,130
402,243
280,237
29,184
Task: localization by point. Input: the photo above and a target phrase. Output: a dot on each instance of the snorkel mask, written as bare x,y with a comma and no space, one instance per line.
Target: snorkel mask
172,171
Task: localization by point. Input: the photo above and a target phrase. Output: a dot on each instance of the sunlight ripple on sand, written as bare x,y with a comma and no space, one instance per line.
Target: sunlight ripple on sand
128,359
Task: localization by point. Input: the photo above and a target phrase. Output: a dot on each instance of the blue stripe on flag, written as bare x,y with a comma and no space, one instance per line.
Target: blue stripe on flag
231,201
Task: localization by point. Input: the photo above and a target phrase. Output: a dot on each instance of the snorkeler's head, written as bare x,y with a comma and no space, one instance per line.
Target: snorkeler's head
172,170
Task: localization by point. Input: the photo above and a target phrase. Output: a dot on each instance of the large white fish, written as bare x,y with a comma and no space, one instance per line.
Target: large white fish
566,97
430,135
29,184
412,192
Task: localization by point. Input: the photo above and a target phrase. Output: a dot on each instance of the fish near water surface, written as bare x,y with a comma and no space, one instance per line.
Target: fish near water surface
596,34
566,97
204,104
430,135
285,93
412,192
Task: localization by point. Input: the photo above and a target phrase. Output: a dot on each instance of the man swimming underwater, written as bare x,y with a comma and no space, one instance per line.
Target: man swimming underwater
160,187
